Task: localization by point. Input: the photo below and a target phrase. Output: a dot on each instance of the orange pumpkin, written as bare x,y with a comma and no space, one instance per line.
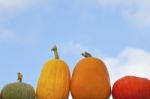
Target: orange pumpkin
90,79
131,87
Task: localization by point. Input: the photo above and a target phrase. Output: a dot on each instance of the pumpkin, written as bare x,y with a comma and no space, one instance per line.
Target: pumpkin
131,87
54,80
90,79
18,90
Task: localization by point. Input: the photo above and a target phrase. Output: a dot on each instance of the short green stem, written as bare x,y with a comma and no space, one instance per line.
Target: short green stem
55,52
20,77
86,54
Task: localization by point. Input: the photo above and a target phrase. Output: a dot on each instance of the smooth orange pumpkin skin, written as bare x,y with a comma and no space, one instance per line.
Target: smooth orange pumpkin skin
90,80
131,87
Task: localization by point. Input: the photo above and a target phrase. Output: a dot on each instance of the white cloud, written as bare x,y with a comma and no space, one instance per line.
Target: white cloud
10,5
78,48
72,47
131,61
9,8
134,12
11,36
70,97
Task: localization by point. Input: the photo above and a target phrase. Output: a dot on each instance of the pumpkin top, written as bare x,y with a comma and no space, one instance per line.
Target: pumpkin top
86,55
54,48
20,77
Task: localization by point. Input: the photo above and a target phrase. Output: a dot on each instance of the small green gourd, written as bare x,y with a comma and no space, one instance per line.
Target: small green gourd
18,90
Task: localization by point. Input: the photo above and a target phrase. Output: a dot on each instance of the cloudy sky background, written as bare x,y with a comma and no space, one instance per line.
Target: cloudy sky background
117,31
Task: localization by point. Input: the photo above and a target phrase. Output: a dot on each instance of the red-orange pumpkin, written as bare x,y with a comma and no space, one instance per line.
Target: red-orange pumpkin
131,87
90,79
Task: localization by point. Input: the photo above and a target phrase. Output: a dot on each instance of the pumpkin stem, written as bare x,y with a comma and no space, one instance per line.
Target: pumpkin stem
55,52
86,54
20,77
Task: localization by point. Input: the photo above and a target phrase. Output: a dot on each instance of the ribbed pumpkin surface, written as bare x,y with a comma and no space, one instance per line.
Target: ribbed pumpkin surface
90,80
18,90
54,80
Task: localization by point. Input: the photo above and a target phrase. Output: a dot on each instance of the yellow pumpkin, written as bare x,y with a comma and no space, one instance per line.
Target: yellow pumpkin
90,79
54,80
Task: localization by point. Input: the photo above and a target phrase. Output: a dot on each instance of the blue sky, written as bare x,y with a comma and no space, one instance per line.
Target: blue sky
116,31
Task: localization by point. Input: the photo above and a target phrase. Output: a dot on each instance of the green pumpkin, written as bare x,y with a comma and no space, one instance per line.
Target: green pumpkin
18,90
